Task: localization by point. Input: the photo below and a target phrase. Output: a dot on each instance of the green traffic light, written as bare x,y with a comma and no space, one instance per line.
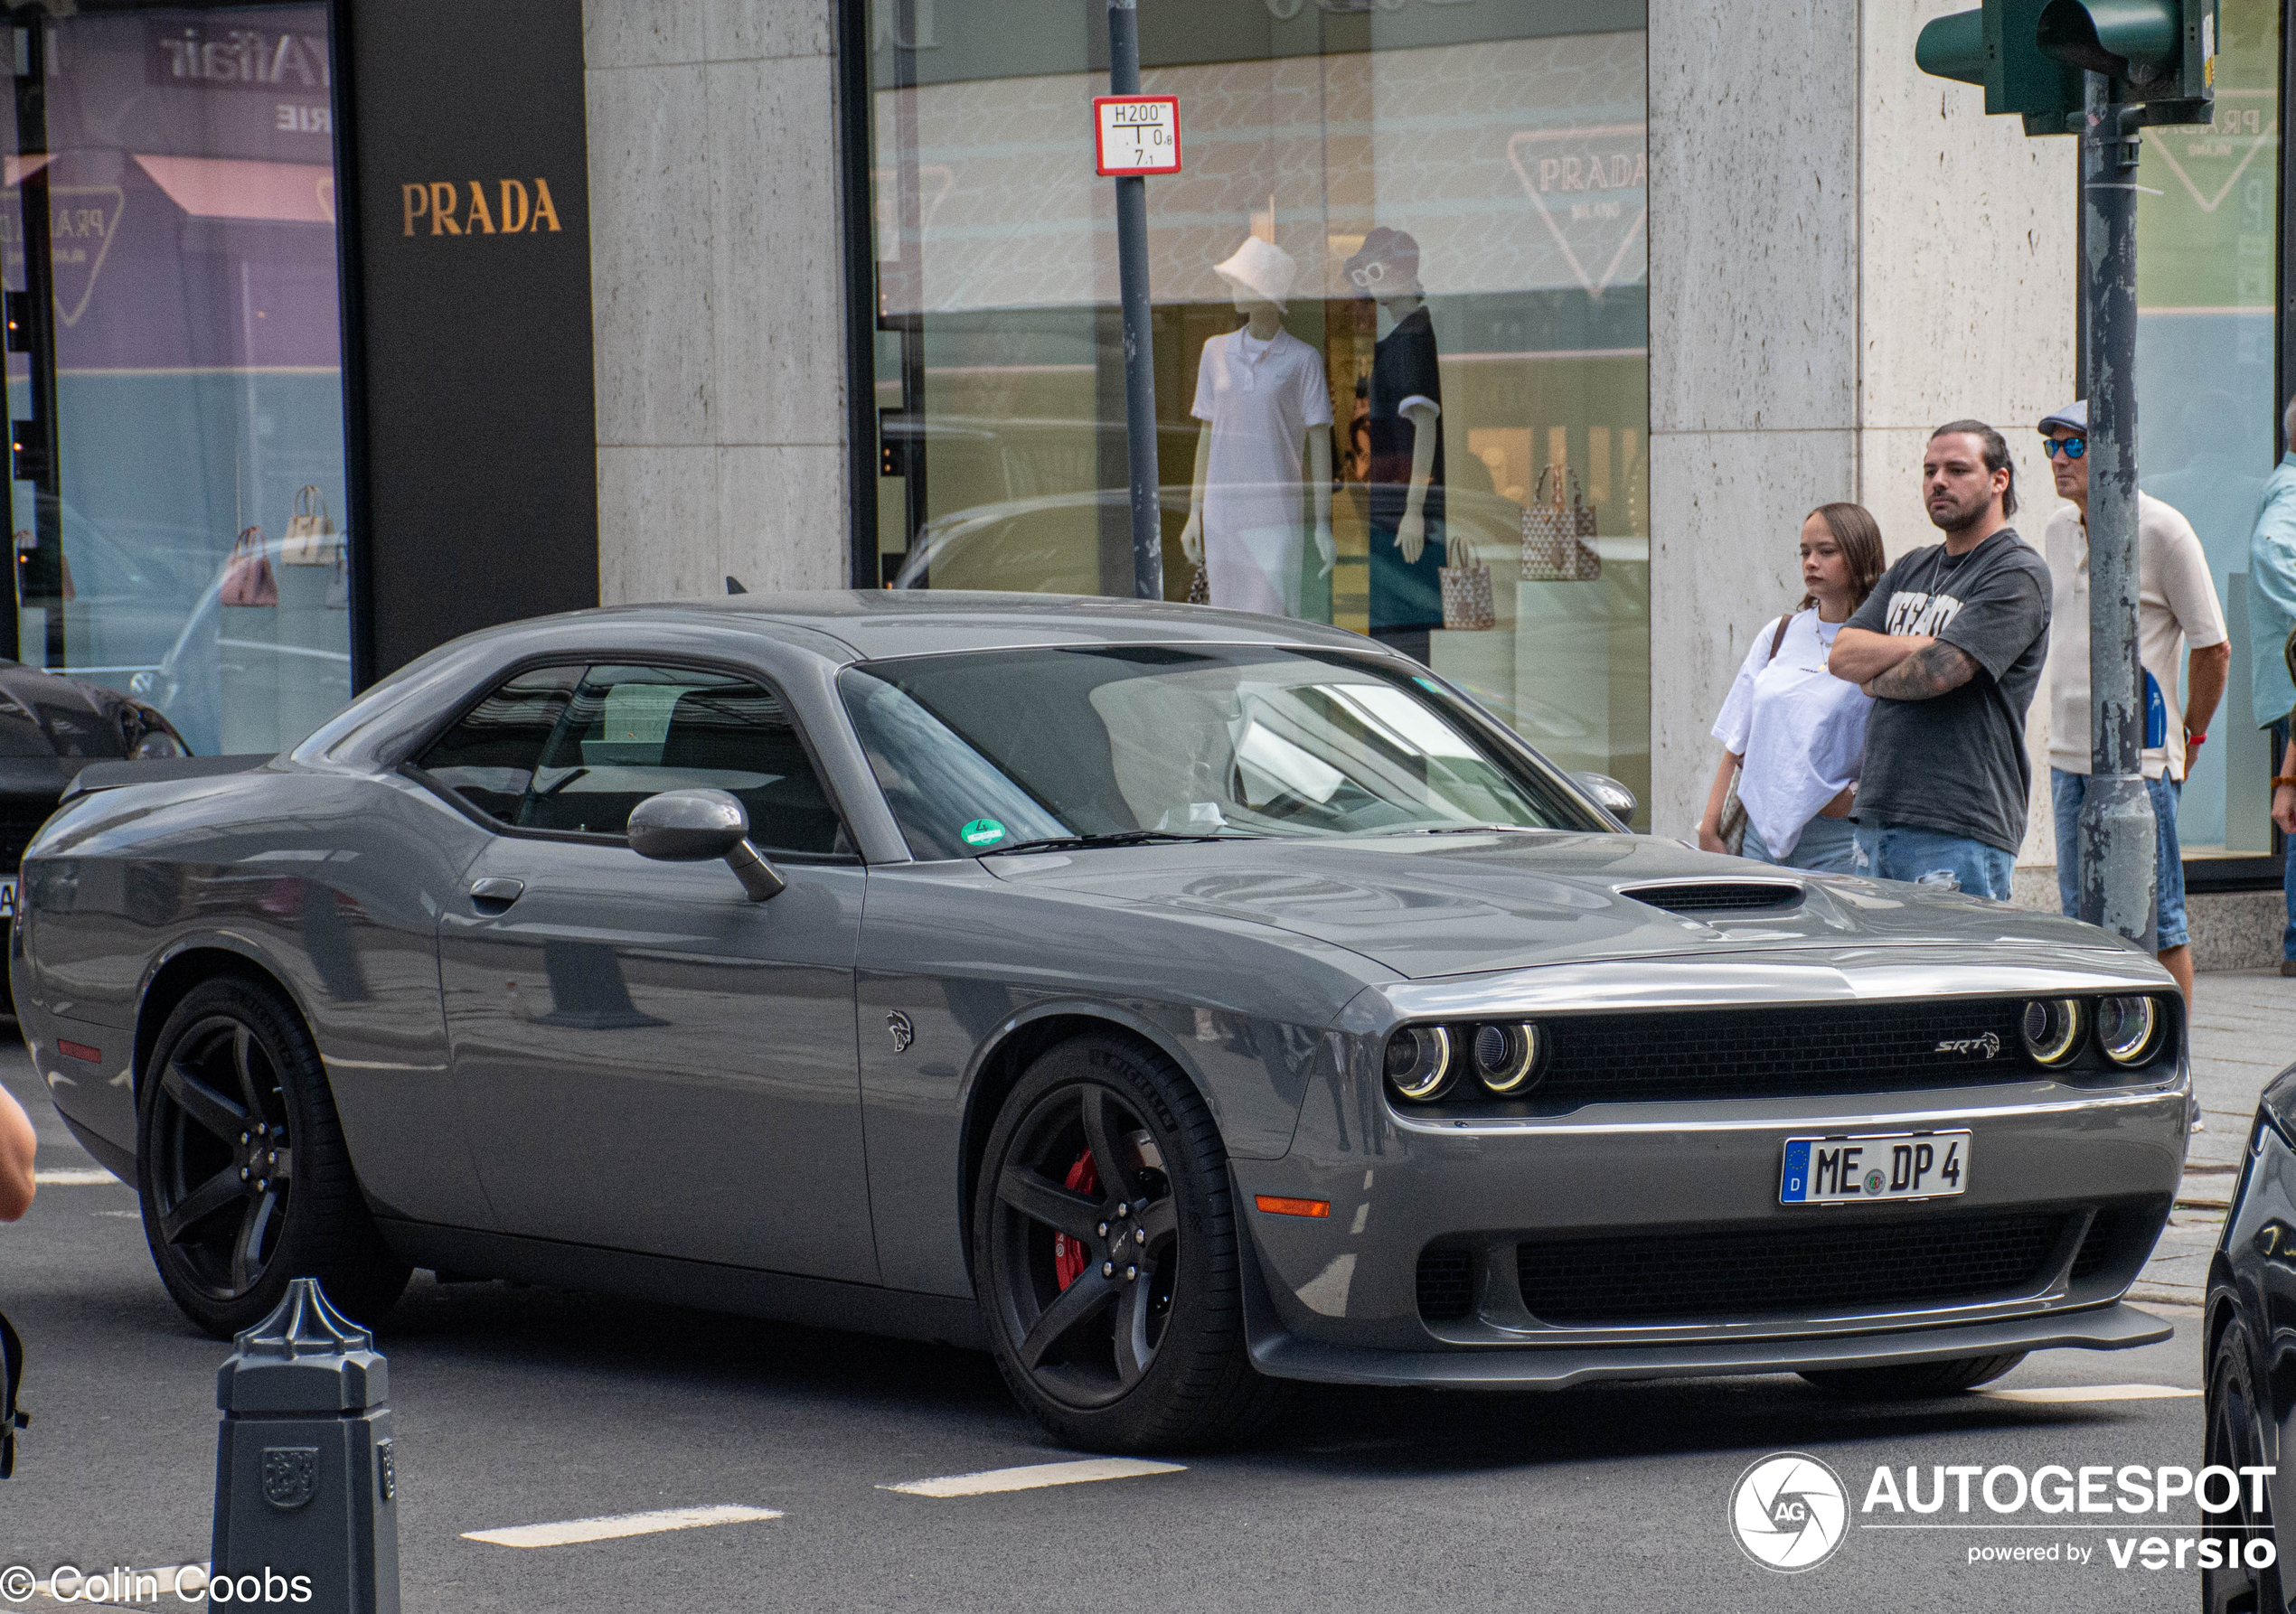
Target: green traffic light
1953,47
2136,40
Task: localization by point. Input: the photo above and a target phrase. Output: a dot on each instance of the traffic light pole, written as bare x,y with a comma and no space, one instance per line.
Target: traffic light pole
2117,833
1132,283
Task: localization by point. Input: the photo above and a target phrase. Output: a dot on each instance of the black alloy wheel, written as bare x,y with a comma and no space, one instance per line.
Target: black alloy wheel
1106,1255
2237,1439
244,1176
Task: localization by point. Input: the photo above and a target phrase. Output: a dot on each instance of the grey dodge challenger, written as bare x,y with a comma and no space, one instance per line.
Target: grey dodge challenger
1174,1002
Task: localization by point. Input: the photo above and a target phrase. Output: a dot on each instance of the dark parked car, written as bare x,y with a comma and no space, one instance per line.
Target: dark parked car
2250,1318
1172,1000
51,727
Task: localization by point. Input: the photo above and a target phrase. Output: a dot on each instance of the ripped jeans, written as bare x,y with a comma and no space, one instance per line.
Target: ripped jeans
1933,858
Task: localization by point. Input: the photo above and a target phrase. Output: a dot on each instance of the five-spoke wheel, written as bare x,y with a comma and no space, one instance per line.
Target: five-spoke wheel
245,1179
1106,1255
223,1161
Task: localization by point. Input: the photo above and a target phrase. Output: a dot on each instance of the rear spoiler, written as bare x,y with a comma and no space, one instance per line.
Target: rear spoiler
112,776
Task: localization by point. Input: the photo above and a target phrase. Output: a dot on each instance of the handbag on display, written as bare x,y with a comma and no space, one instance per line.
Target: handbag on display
247,573
1467,588
310,532
339,585
1559,537
1199,588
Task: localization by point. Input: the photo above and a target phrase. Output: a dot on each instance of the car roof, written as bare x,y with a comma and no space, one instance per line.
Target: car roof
874,624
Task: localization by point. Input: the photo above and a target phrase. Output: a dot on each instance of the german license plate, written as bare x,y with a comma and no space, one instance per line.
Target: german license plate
1852,1170
7,897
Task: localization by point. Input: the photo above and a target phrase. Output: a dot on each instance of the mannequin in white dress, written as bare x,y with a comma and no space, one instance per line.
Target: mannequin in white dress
1261,394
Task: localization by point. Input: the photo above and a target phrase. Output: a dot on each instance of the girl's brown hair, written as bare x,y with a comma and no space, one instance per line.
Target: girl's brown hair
1859,535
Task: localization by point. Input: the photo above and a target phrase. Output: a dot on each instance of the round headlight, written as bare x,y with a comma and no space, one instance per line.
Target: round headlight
1505,1057
2052,1028
2127,1028
1419,1062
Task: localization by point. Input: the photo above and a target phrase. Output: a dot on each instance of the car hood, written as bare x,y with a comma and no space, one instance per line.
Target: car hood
1428,905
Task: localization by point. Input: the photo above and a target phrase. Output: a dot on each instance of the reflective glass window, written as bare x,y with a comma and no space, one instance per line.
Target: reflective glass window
179,520
1399,310
2207,255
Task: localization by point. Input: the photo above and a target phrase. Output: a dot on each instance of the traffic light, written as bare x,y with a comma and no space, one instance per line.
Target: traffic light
2029,56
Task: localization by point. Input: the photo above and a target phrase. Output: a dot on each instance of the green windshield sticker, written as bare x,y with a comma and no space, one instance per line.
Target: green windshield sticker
982,831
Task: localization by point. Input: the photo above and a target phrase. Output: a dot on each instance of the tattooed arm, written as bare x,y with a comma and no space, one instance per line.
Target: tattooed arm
1929,671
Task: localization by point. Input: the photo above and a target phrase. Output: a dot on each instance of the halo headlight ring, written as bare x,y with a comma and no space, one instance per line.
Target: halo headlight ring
2128,1029
1419,1063
1505,1056
2052,1028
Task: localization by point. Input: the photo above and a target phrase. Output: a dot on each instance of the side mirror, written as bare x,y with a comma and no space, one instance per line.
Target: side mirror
697,826
1615,798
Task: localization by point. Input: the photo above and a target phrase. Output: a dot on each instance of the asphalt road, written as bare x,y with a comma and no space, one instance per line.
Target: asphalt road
527,1406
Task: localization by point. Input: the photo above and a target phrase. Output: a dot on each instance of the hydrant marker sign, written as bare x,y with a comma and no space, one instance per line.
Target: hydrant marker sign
1137,134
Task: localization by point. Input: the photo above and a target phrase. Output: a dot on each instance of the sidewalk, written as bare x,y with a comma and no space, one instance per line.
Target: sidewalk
2243,1034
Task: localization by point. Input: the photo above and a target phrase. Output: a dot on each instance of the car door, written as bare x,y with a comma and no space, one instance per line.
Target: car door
646,1059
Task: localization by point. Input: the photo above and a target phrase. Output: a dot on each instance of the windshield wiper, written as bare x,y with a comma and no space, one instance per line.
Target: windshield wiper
1462,829
1070,843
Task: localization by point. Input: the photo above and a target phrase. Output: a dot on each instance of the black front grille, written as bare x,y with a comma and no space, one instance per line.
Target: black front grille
1446,1284
20,821
1763,1053
1714,1276
1717,897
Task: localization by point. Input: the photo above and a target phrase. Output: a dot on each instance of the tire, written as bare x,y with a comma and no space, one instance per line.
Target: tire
2237,1438
1914,1382
240,1162
1101,1134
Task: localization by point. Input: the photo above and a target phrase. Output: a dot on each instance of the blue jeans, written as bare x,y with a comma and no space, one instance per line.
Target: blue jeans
2287,869
1933,858
1826,846
2068,791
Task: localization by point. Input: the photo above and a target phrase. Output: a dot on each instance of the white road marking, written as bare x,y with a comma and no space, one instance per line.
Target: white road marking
569,1530
2071,1392
75,1177
1035,1477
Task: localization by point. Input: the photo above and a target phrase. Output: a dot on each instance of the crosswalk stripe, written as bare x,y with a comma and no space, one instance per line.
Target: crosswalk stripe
75,1177
569,1530
1034,1476
2071,1392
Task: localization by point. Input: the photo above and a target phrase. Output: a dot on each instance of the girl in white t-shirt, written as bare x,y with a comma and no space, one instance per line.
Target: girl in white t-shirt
1792,732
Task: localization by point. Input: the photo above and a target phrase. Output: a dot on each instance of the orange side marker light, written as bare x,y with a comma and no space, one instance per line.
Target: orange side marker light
1275,1205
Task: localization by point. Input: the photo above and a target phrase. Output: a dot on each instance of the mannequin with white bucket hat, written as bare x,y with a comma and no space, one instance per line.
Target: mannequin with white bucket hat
1260,393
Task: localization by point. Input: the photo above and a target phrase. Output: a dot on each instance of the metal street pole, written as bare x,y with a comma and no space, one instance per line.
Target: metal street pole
2117,829
1132,279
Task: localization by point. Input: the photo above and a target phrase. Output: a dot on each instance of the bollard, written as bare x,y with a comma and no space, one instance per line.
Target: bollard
306,1492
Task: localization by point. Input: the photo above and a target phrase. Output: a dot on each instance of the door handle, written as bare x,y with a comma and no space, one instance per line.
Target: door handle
496,892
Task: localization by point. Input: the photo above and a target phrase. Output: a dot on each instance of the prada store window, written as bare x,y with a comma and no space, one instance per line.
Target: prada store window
170,224
1400,323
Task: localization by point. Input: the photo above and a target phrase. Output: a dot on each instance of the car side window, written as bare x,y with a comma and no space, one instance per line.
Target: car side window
488,757
630,732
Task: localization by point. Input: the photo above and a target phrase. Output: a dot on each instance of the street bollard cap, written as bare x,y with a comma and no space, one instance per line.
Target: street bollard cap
305,1357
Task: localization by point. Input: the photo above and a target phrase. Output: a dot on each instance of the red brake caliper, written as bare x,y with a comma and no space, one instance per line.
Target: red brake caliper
1068,1256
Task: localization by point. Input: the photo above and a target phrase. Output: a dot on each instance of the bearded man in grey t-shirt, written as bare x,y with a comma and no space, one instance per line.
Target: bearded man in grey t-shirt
1950,644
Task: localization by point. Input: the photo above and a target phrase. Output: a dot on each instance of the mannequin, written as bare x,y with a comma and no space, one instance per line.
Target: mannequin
1407,446
1260,394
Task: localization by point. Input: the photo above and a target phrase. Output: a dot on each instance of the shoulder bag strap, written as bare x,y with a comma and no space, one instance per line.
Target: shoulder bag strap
1778,637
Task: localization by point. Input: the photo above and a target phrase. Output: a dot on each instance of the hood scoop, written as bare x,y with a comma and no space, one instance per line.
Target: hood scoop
1698,897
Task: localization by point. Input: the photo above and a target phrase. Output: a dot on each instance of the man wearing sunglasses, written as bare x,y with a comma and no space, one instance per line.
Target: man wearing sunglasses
2177,606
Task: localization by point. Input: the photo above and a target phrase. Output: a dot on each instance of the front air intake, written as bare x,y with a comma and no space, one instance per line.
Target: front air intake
1718,896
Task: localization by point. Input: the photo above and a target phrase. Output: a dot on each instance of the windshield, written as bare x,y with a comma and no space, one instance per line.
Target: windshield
986,752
